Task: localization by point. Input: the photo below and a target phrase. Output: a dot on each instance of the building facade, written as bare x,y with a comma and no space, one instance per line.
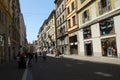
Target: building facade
72,26
51,30
9,29
47,34
23,40
15,30
61,25
5,24
99,27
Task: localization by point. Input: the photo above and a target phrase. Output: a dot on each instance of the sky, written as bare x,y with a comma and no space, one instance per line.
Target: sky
34,13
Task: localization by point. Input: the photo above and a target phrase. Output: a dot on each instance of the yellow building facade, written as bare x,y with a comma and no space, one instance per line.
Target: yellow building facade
72,25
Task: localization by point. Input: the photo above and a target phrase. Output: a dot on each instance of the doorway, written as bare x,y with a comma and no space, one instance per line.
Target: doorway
88,48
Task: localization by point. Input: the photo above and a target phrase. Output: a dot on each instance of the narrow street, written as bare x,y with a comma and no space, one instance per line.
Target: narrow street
71,69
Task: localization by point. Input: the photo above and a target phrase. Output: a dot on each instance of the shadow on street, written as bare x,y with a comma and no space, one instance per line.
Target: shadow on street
71,69
10,71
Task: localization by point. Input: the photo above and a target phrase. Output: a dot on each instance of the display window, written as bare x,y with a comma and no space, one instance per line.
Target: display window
107,26
109,47
87,33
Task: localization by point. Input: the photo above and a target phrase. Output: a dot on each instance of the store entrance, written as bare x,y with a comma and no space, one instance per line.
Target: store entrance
88,48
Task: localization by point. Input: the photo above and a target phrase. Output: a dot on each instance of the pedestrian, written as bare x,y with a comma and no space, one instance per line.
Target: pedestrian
36,57
22,61
30,57
40,53
44,55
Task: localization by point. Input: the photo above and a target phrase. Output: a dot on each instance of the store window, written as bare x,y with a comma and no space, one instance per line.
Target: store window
109,47
87,33
107,26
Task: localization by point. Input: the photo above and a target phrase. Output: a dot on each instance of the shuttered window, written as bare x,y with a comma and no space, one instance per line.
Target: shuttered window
104,6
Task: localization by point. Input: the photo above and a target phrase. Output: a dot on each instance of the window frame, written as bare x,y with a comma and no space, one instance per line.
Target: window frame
74,20
73,5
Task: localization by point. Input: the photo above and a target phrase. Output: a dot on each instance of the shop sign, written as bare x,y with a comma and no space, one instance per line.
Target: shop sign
87,42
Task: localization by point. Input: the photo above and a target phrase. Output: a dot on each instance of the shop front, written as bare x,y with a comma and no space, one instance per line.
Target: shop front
109,47
73,45
107,28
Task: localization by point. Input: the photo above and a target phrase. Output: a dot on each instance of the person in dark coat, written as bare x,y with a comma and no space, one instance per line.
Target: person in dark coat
36,57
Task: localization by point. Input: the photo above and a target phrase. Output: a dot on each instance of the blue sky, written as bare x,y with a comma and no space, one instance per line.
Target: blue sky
35,12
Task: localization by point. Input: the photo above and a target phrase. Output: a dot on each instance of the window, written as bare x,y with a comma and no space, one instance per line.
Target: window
87,33
60,21
63,29
68,10
104,6
57,13
58,32
62,7
82,1
63,18
108,45
60,11
74,21
73,6
69,24
85,16
107,26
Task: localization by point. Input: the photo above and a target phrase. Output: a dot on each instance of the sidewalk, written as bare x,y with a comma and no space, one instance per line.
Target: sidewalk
110,60
10,71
